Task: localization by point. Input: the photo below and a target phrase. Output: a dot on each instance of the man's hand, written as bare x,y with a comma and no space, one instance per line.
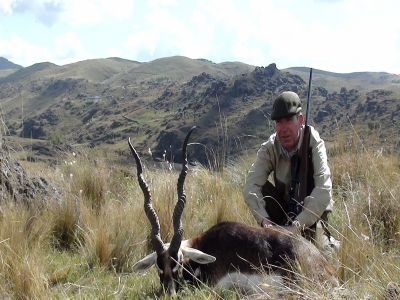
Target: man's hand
292,229
266,222
295,228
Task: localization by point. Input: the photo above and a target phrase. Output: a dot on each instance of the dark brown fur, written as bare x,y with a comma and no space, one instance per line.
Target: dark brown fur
244,248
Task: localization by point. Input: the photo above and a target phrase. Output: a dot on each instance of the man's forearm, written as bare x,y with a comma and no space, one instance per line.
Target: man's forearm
256,206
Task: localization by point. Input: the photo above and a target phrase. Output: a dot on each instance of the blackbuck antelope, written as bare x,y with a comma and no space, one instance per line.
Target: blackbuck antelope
229,253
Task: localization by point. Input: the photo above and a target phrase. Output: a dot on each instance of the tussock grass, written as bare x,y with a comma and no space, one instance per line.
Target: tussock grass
366,216
21,263
84,246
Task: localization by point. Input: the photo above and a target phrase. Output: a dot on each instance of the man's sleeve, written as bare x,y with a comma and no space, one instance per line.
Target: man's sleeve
320,198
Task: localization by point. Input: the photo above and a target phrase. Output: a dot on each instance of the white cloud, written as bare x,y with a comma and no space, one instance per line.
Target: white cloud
114,52
6,6
361,41
66,49
142,41
22,52
166,35
161,3
72,12
69,48
46,11
251,31
287,32
95,11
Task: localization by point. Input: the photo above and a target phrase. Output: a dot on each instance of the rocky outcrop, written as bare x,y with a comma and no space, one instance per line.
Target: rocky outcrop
17,185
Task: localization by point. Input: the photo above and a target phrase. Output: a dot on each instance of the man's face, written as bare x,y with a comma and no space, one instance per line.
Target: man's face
288,130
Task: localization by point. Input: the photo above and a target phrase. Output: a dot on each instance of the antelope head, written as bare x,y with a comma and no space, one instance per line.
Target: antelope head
169,257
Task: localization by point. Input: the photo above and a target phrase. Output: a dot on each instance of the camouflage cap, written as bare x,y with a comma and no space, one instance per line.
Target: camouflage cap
286,105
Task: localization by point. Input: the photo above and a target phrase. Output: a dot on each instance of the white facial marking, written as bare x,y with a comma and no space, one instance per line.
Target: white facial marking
197,272
179,262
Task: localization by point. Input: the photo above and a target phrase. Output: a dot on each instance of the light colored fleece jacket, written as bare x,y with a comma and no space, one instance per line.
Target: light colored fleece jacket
271,159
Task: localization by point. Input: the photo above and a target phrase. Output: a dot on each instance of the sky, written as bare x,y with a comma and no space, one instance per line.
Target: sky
339,36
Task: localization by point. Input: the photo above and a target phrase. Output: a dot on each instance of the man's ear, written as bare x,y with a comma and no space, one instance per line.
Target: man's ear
301,119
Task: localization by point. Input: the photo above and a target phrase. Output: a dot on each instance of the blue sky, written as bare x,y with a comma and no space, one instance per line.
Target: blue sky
333,35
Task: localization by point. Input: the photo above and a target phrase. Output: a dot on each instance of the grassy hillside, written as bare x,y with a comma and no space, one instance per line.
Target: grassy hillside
362,81
99,104
177,69
28,73
6,72
96,70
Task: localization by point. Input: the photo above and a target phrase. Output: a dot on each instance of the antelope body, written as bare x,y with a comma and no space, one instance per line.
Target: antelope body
229,253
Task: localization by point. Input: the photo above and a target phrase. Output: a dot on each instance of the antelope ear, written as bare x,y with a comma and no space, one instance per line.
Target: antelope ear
145,263
197,255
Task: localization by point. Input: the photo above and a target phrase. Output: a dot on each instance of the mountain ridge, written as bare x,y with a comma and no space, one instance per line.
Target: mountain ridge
100,103
6,64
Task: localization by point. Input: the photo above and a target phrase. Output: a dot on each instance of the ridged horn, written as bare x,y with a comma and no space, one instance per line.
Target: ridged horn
180,204
151,214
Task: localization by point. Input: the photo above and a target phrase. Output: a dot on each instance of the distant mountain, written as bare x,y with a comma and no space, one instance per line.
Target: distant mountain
100,103
5,64
361,81
28,71
178,68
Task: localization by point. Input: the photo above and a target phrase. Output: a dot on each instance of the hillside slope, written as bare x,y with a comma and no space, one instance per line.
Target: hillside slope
100,103
362,81
5,64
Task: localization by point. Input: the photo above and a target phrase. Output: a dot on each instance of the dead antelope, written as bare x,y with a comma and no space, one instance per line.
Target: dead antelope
228,251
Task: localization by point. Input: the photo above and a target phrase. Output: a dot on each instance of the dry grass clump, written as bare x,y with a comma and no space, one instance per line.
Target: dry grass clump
366,218
21,263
